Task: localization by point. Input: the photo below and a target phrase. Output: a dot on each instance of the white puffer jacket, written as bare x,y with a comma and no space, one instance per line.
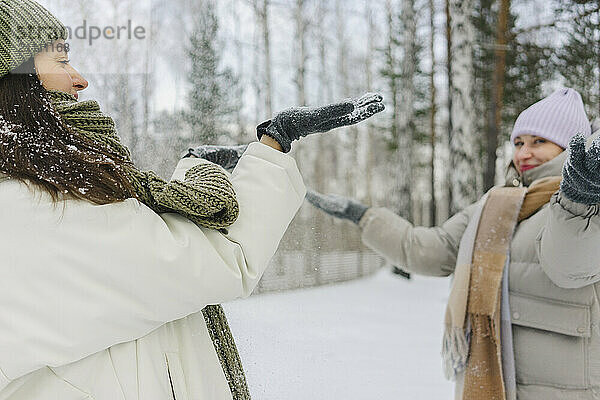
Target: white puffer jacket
102,302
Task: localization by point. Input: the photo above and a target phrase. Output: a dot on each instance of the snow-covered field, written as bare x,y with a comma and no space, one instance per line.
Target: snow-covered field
373,338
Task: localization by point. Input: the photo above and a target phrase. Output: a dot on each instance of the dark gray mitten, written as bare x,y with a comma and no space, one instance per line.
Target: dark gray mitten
338,206
581,172
225,156
296,122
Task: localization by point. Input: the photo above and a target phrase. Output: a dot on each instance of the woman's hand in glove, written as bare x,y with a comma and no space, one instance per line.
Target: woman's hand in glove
581,172
225,156
296,122
338,206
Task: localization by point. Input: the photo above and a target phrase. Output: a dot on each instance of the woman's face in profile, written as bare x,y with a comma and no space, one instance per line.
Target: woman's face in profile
55,72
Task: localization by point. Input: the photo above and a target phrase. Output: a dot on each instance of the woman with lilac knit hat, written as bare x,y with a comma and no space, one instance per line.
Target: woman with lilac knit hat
556,118
523,314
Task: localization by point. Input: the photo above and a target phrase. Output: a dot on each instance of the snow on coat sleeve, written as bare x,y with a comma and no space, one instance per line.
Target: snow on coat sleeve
568,245
424,251
80,278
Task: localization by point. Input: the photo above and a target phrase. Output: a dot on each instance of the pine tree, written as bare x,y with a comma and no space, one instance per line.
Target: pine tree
209,99
509,72
578,60
528,68
408,89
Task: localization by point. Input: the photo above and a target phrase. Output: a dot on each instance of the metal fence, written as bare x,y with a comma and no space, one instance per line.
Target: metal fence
298,269
318,250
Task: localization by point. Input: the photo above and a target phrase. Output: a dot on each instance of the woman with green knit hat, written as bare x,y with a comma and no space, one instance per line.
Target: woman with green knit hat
106,268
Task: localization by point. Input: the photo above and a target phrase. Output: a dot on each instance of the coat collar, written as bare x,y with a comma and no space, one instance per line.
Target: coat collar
550,168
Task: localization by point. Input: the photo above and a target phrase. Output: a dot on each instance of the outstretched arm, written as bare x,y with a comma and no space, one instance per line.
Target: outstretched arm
292,124
425,251
226,156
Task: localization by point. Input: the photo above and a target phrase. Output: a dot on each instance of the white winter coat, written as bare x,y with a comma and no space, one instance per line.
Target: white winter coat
103,302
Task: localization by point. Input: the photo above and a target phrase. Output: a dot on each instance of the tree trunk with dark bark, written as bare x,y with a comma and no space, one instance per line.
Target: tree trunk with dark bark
497,95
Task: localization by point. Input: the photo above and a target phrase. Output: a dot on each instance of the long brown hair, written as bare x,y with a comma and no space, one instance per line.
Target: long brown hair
37,147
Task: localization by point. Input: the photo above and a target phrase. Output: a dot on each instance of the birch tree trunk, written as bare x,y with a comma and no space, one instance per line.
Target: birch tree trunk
449,105
432,110
463,145
259,113
406,114
346,140
342,49
299,57
300,51
148,83
241,62
325,96
267,45
365,142
390,65
393,81
325,84
261,9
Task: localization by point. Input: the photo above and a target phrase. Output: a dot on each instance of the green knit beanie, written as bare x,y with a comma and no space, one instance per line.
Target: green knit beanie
26,28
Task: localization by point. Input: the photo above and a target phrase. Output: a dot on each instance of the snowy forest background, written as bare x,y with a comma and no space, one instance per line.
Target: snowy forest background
209,71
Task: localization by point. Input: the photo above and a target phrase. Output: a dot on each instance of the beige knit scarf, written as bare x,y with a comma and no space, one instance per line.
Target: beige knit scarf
472,347
205,197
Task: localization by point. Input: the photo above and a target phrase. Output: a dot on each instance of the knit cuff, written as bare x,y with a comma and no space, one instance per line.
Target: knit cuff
267,128
184,165
367,217
356,211
573,207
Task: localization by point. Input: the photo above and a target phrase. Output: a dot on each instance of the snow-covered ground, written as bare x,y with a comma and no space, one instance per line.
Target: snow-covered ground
373,338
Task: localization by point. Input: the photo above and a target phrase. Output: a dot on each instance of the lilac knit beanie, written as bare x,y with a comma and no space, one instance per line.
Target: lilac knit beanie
557,118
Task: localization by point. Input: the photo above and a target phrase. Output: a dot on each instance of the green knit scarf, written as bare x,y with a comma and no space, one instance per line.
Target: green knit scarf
205,197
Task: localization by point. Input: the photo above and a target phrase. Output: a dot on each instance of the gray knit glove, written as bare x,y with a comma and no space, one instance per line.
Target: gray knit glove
225,156
581,172
338,206
296,122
